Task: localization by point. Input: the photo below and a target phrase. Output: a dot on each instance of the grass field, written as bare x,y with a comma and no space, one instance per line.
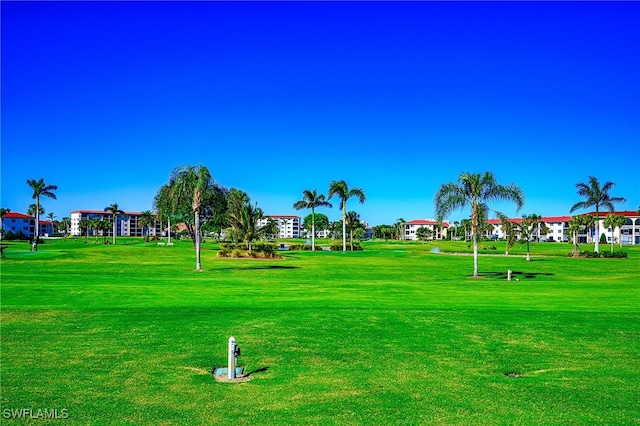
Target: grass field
397,334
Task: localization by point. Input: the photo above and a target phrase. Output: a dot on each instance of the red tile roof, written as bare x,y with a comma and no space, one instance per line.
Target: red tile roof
13,215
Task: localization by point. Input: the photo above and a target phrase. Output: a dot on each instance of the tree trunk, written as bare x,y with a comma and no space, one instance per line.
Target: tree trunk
313,230
197,232
344,228
35,245
597,236
475,253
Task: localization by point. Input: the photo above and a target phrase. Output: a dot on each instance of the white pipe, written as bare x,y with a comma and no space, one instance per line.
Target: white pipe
232,358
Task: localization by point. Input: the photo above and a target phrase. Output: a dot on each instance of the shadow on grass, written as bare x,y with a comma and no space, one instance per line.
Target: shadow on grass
515,274
246,268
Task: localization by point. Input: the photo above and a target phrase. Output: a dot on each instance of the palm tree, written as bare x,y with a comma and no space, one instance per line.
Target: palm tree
613,221
146,220
84,224
596,196
474,190
249,229
399,228
3,213
95,224
191,183
342,190
577,224
51,218
40,189
64,226
311,200
528,227
353,223
115,212
509,232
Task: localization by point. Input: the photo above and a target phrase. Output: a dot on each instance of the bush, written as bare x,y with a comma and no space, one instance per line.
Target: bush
602,254
603,238
337,246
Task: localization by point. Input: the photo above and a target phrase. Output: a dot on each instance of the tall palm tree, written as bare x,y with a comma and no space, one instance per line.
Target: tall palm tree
311,200
596,196
146,220
528,227
40,189
614,221
191,183
115,212
104,225
399,228
474,190
342,190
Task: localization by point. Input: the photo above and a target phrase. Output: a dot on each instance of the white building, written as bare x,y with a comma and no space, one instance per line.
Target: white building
289,226
558,229
126,226
411,228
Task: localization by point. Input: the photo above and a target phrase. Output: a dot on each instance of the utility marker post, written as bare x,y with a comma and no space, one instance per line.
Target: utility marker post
508,274
232,358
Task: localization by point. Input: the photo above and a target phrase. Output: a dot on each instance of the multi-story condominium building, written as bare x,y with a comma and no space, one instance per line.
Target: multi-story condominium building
19,223
289,226
411,228
126,225
557,229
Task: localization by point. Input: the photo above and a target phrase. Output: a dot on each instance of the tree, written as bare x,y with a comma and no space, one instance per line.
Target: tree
146,220
95,224
423,233
33,208
509,230
528,228
191,184
235,202
3,213
249,229
40,189
577,224
311,200
342,190
84,225
399,228
596,196
64,226
474,190
104,225
52,218
320,220
115,212
353,225
465,224
270,229
613,221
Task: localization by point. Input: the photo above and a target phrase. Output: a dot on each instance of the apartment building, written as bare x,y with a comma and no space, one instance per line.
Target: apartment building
20,223
557,229
126,226
411,228
289,226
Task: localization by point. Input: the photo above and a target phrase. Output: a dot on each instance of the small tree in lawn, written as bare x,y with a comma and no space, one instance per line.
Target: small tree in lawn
64,226
353,225
577,224
528,228
613,221
423,233
509,230
84,224
474,190
146,221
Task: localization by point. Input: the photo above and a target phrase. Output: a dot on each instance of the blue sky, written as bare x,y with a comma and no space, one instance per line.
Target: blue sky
105,99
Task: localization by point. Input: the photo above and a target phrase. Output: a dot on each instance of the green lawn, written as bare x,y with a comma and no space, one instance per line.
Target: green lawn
397,334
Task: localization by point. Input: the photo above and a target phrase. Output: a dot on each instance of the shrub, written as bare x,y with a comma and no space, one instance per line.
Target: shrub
337,246
603,238
602,254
